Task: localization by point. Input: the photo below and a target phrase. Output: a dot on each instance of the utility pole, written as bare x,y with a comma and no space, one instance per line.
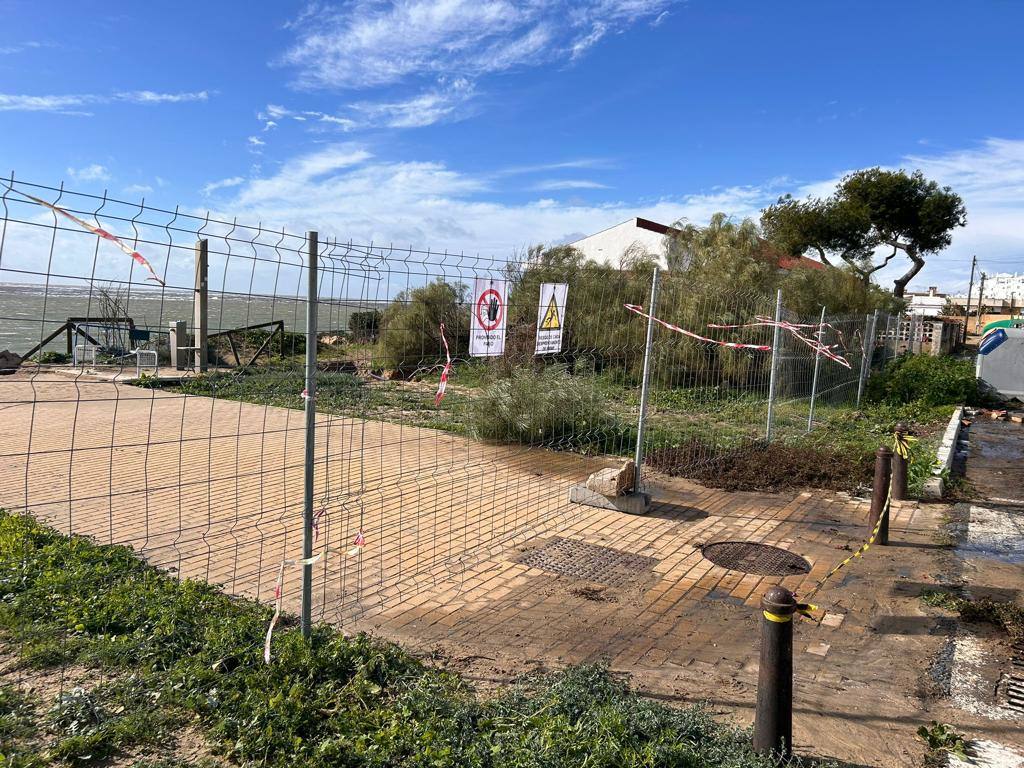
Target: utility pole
970,288
981,302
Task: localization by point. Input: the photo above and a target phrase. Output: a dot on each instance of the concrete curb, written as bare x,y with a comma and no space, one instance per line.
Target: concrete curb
935,485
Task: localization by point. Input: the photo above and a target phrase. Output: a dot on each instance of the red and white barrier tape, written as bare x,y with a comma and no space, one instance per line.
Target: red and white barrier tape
443,384
316,522
278,593
358,544
793,328
731,344
138,257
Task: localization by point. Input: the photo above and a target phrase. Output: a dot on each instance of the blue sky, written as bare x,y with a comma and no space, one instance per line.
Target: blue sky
486,126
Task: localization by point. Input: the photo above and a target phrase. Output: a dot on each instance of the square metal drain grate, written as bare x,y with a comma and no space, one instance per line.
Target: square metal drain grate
590,562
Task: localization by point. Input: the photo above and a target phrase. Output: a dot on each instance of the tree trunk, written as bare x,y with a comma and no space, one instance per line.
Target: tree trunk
900,284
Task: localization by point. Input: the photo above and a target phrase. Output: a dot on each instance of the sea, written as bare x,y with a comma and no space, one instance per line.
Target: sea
30,312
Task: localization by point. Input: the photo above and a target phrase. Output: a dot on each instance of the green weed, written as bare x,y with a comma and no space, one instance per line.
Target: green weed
1005,615
941,738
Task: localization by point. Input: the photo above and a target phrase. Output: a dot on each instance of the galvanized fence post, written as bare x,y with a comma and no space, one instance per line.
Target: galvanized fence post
310,397
200,306
645,383
776,336
817,369
868,352
889,337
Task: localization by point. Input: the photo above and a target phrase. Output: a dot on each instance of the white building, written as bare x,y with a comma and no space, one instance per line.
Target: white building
632,236
1005,286
928,303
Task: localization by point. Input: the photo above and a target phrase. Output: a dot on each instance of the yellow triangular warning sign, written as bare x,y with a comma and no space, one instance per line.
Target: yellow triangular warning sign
551,320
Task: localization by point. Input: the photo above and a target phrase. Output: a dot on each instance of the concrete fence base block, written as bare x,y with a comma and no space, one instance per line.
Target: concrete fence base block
630,503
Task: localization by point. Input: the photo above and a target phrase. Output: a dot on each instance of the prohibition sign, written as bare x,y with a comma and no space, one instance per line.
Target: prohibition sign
488,299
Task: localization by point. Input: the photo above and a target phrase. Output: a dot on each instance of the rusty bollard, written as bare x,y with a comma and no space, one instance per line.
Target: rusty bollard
899,462
773,718
880,495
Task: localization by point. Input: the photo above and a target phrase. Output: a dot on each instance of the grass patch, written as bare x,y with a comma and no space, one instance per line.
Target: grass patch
180,651
18,727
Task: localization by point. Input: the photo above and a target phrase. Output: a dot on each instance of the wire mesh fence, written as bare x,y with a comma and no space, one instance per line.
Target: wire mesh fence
454,399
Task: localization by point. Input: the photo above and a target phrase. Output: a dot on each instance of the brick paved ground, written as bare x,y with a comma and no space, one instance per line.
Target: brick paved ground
214,490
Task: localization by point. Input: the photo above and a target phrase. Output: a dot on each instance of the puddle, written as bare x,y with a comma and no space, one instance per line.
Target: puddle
1001,450
724,596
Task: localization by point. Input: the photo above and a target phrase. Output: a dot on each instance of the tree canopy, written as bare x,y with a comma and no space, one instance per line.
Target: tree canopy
873,216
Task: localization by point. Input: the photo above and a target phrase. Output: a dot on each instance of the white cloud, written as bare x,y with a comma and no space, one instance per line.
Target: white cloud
138,189
431,106
23,103
94,172
8,50
581,45
151,97
428,108
343,123
428,55
370,43
990,179
343,190
556,184
213,186
75,102
580,163
274,113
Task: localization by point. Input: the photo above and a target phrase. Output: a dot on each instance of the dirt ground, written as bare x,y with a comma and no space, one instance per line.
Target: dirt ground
475,558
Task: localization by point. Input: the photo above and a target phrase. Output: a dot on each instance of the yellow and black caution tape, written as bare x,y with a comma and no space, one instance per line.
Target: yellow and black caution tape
901,444
804,609
864,548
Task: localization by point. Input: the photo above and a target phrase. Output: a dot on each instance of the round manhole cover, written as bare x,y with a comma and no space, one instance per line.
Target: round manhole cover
760,559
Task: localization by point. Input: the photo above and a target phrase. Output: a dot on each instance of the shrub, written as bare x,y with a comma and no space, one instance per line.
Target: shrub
544,406
410,336
53,358
365,325
927,379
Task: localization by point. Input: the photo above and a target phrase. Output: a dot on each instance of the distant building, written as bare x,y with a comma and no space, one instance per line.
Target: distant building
1005,286
638,236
